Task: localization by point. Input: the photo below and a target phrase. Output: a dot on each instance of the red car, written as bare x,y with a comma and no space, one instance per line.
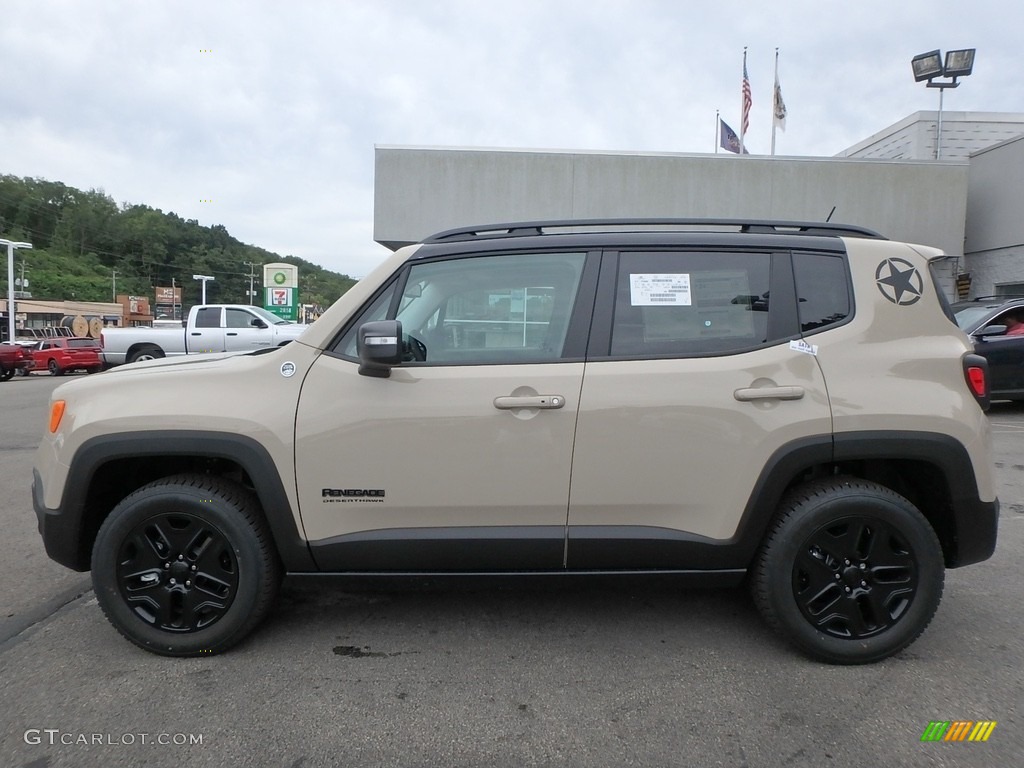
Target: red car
13,357
67,353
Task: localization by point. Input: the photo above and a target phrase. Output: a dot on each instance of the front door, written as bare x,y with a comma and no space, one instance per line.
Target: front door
460,460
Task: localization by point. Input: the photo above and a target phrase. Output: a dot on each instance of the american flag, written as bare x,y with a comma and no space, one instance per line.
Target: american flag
747,101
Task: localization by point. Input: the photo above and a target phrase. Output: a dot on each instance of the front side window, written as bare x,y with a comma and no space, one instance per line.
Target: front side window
481,309
690,303
238,318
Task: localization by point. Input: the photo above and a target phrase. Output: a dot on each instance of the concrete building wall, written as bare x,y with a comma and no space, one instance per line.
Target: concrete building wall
419,191
963,133
994,243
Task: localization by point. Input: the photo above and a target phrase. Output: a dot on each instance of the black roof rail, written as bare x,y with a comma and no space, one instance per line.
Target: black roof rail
997,297
535,228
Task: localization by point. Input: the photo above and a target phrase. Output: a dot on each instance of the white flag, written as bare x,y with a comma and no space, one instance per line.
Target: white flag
779,107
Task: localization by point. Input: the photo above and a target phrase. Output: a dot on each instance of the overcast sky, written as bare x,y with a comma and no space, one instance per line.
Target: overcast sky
262,115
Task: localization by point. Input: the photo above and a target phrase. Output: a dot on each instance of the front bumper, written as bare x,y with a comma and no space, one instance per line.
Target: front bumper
61,531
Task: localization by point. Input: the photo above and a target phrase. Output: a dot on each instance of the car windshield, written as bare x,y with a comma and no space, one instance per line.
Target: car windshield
969,317
269,317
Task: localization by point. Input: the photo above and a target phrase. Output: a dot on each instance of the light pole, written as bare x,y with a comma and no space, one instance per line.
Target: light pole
205,279
928,66
11,245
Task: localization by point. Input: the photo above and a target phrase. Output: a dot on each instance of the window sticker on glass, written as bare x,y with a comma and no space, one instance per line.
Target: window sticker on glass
662,290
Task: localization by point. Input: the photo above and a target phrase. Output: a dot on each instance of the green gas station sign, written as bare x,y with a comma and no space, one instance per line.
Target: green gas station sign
281,290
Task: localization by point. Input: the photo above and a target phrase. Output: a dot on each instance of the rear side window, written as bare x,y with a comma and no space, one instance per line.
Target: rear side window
86,343
822,288
208,317
684,304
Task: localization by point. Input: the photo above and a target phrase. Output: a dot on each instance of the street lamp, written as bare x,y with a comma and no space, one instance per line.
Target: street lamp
928,66
205,279
11,245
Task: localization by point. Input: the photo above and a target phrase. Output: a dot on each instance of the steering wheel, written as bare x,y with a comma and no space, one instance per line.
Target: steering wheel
414,351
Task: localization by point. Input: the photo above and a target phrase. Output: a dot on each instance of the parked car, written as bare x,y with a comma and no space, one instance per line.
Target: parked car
67,353
13,358
784,404
989,322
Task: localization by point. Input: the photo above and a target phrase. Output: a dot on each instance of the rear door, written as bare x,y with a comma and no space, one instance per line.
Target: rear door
207,332
696,377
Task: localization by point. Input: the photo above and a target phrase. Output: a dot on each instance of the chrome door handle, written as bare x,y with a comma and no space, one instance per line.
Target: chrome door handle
768,393
534,401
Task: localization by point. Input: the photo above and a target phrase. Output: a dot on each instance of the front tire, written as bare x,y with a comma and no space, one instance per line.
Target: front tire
185,566
55,370
850,572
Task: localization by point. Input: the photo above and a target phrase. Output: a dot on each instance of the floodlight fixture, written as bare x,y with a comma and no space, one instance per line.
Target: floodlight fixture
927,65
959,63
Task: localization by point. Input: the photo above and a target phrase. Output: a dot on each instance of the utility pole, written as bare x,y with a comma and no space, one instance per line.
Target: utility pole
22,282
252,278
113,285
174,304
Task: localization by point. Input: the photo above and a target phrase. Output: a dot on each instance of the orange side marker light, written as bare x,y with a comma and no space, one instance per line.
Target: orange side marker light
56,414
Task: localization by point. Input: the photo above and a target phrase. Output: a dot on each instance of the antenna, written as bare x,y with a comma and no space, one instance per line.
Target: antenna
829,217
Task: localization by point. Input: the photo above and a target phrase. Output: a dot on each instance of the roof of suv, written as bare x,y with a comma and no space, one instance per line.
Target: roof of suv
745,226
586,233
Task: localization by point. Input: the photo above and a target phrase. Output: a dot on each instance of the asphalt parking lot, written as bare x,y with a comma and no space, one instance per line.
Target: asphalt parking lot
553,673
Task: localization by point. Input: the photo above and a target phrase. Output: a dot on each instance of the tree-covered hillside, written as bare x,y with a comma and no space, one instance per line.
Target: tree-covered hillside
83,242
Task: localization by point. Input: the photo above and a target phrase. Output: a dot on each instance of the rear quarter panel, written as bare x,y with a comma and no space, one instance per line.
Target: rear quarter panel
900,333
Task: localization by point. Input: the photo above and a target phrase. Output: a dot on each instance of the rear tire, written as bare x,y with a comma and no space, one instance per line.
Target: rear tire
6,373
850,572
185,566
148,352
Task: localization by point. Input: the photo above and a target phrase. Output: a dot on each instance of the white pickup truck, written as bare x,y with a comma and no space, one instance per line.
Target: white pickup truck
208,328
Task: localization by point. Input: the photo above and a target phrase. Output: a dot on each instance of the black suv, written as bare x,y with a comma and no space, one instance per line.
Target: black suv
990,321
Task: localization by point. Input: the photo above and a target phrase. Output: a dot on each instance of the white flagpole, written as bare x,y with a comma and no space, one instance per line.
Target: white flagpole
775,97
718,128
743,103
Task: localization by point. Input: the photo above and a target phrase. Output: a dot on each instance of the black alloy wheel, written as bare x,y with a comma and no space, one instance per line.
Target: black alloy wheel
186,565
850,571
177,572
855,578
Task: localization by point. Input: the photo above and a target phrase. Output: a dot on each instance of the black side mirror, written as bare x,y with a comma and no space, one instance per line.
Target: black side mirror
257,323
991,330
379,346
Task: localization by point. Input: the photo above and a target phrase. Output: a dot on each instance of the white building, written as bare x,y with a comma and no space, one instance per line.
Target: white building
969,203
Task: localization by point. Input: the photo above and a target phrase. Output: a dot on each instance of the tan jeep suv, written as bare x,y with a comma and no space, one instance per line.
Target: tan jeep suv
786,404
